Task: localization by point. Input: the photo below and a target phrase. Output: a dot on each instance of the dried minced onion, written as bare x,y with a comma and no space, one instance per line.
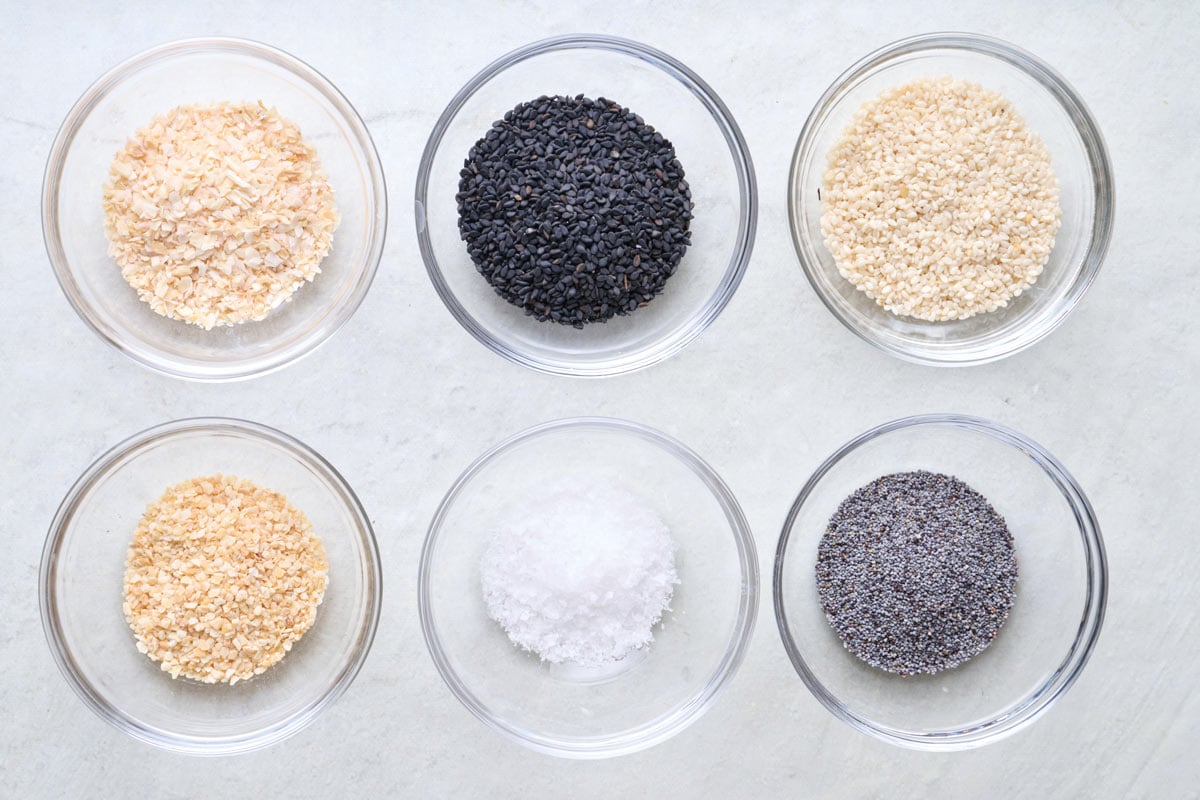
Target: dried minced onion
218,213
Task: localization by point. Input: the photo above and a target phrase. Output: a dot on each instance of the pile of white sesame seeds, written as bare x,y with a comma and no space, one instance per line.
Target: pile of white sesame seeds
218,213
939,202
221,579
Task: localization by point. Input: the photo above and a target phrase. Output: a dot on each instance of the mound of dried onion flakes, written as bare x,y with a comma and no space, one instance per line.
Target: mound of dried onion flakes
218,213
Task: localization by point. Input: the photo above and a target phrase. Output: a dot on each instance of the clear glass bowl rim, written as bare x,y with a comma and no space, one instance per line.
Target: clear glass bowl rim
747,610
747,223
1098,159
1068,670
63,271
114,458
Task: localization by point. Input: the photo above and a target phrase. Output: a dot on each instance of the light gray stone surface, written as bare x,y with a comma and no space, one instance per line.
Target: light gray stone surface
402,399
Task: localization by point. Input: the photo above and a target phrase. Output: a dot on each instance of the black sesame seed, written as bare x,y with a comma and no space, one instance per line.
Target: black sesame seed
916,572
591,189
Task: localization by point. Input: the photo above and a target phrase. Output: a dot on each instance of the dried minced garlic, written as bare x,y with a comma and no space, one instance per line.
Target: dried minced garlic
221,579
217,213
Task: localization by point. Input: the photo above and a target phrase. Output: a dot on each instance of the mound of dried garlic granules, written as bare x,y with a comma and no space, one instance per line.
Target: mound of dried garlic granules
218,213
221,579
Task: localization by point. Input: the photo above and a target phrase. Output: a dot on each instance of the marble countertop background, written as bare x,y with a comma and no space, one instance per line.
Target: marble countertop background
402,399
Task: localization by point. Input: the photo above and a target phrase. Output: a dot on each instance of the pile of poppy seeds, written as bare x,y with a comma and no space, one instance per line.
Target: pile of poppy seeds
915,572
575,210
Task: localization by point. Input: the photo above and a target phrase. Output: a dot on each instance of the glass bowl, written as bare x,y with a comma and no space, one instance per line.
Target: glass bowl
718,169
1054,622
205,71
1052,109
82,571
567,710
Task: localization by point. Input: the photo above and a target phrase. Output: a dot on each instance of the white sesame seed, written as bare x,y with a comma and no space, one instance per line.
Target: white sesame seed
939,202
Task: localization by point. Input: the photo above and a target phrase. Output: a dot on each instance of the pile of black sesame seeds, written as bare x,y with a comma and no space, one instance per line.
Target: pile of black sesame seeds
574,210
916,572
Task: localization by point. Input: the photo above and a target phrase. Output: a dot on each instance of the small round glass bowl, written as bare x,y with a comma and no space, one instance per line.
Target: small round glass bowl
651,695
718,169
1055,619
83,567
1052,109
205,71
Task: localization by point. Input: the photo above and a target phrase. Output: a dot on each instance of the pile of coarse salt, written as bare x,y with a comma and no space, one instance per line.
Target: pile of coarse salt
582,576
